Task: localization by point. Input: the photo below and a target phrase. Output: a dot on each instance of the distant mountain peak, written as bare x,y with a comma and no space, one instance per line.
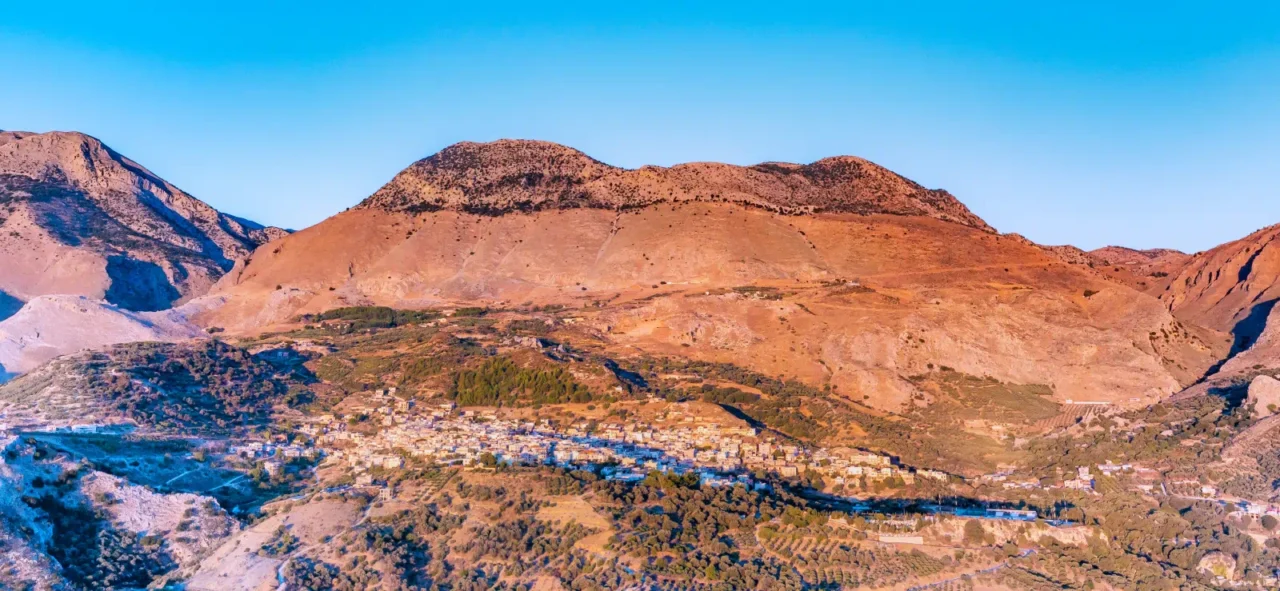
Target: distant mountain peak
507,176
81,218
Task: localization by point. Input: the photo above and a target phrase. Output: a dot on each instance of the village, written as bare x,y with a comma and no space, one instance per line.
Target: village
442,433
396,433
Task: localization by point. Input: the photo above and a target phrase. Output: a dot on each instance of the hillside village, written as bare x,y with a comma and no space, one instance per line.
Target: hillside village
446,434
406,432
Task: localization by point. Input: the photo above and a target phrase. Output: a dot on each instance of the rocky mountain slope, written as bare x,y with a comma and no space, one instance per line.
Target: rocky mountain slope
837,272
1232,287
50,326
78,218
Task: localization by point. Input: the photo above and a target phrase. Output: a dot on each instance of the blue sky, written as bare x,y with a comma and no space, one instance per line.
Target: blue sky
1155,124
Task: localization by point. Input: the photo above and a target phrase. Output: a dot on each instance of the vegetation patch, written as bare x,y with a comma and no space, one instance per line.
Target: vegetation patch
95,555
500,382
365,317
960,396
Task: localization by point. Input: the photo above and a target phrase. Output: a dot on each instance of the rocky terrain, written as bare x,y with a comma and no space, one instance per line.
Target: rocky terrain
185,388
78,218
522,175
517,367
1231,288
836,272
54,325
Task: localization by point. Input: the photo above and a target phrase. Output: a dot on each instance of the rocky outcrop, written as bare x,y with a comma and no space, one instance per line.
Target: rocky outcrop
521,175
1218,564
1264,396
78,218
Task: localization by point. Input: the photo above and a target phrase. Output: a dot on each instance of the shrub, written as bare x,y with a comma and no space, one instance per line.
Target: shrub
973,532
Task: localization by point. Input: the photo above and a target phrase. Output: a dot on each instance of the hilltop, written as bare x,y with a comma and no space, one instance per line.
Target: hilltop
525,175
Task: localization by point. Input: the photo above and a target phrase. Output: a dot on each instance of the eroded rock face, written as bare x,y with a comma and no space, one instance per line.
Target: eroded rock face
1232,287
78,218
1264,396
139,285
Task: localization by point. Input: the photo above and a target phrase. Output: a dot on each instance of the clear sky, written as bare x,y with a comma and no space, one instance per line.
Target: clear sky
1153,124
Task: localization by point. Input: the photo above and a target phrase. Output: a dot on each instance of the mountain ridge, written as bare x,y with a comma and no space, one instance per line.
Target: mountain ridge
80,218
508,175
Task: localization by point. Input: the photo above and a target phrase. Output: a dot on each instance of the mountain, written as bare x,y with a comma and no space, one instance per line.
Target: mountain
837,272
516,366
1150,270
78,218
1231,288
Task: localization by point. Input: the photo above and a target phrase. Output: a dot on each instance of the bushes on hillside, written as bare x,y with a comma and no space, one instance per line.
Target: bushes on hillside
500,382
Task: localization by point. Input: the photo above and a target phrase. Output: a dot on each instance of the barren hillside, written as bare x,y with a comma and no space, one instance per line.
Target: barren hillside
1231,288
78,218
50,326
861,292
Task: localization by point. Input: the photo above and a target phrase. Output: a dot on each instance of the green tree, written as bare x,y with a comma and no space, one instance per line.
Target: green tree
1269,522
973,532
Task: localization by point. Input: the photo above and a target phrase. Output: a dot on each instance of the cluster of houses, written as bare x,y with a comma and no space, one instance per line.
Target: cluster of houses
444,434
1147,480
1083,480
273,455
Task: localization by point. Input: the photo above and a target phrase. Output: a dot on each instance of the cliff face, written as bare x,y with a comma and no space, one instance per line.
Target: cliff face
521,175
78,218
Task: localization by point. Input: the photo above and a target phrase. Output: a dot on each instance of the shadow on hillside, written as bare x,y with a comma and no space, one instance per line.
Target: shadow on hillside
958,506
94,553
628,377
1245,333
140,286
1233,394
9,305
